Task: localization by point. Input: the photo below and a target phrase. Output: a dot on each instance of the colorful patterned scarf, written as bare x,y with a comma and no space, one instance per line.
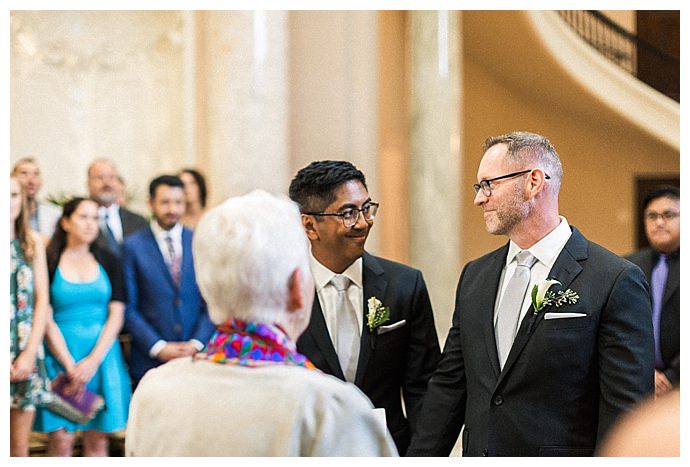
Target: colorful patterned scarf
252,344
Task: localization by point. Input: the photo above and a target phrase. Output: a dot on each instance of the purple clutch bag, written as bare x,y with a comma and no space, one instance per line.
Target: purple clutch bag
80,409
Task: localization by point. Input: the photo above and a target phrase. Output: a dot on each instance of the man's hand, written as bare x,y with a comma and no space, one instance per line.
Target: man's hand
661,384
174,350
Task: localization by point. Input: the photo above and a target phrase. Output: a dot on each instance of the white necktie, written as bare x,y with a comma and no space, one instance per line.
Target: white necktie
511,305
347,337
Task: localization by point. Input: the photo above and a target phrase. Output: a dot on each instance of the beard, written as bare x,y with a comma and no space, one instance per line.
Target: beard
505,217
105,197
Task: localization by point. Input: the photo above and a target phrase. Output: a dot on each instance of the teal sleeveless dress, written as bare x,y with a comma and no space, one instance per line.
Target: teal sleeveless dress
80,310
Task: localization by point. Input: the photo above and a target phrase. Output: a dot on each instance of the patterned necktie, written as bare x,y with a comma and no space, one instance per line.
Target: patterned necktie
511,305
347,336
659,277
174,264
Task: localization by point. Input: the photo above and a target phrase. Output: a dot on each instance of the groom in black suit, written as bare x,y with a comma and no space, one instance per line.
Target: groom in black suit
548,380
372,323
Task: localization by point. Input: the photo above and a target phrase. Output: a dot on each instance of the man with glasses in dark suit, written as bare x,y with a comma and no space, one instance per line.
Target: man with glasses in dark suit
372,323
660,262
540,371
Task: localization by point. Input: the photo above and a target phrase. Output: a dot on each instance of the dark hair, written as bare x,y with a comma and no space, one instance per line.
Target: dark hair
168,180
58,241
200,181
313,188
661,191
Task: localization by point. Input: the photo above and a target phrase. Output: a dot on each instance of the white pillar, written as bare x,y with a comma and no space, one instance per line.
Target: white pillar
245,103
435,177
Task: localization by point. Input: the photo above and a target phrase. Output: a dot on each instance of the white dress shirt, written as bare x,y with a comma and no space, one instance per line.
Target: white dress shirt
546,251
45,218
161,235
114,221
328,294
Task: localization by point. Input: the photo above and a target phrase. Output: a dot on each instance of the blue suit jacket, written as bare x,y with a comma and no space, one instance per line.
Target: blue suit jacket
156,308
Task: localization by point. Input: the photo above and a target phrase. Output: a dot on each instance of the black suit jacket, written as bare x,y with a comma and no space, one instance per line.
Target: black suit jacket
131,222
393,363
670,309
565,380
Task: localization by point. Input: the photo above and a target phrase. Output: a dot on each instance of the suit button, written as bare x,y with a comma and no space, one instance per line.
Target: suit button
177,329
498,400
177,302
485,452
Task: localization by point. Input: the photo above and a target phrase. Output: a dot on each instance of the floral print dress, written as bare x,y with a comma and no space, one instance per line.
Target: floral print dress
24,395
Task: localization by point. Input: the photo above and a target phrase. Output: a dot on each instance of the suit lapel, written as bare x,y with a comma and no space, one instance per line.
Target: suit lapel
157,256
319,333
648,263
375,284
673,281
186,262
487,302
565,270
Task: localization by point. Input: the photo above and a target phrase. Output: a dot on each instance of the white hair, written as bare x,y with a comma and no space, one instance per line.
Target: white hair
245,252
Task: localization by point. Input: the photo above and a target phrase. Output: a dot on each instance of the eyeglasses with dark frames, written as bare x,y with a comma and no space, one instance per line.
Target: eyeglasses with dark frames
485,185
351,215
666,216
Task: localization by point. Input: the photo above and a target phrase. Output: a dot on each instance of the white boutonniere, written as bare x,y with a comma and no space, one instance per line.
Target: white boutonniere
542,296
378,314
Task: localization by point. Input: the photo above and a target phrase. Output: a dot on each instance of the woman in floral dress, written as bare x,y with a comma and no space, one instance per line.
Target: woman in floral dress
28,311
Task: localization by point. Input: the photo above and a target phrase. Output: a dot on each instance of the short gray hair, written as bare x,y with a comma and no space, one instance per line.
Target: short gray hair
245,252
530,148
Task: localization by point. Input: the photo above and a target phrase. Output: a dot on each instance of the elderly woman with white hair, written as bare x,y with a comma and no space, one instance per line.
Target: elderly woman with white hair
250,393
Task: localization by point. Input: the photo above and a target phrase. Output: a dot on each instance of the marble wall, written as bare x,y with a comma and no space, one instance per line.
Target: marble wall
97,84
249,97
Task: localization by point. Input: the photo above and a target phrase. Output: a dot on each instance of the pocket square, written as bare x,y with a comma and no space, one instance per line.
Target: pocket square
564,315
390,327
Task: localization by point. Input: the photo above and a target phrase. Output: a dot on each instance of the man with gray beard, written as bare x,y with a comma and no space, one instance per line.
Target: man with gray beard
115,222
552,337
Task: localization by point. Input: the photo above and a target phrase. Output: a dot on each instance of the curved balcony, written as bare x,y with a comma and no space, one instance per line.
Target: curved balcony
541,55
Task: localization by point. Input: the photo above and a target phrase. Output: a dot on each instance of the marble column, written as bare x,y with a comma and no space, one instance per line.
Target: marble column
435,163
242,132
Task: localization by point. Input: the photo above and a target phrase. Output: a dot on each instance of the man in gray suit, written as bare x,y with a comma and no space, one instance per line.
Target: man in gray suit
549,379
115,222
660,262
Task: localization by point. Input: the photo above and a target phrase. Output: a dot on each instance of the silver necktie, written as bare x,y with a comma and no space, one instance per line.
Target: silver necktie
511,305
347,336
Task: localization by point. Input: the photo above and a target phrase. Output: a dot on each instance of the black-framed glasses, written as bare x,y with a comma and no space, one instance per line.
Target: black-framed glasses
485,185
666,216
350,216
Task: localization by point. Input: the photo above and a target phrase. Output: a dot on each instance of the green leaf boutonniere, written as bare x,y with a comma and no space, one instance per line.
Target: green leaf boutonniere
378,314
542,296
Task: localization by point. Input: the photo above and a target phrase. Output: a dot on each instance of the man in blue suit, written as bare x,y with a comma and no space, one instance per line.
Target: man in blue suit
165,314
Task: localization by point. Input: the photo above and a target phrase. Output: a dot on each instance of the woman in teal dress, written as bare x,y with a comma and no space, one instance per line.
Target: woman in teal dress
87,296
28,310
